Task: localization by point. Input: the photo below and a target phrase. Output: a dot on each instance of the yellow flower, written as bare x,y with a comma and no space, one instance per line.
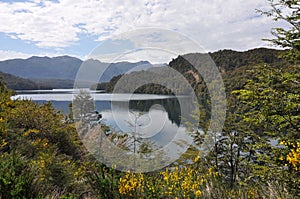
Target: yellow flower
198,193
281,158
294,156
184,185
4,143
176,182
196,158
282,142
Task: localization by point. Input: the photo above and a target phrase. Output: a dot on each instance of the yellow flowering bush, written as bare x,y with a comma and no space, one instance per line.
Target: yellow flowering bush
184,181
3,133
293,157
41,165
4,103
132,183
180,182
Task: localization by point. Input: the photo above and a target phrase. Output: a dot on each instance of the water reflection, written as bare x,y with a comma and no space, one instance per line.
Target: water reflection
170,106
159,117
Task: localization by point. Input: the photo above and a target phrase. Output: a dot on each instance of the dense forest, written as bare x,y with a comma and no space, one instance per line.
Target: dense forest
257,155
17,83
225,60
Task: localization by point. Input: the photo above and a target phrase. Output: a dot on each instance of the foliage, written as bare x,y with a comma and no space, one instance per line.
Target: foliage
191,182
272,100
39,152
186,182
82,105
271,105
16,177
103,180
289,12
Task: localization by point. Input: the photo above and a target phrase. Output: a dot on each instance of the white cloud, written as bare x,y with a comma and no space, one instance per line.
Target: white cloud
215,24
4,55
151,44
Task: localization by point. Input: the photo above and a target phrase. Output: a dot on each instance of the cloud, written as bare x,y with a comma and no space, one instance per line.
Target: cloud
152,44
215,24
4,55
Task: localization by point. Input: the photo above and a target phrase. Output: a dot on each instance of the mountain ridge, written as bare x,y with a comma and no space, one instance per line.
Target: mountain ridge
62,67
60,72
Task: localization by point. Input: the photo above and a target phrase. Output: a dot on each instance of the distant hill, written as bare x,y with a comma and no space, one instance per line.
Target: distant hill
63,67
54,83
115,69
17,83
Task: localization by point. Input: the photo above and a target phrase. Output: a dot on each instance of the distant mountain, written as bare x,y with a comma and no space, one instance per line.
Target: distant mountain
64,67
115,69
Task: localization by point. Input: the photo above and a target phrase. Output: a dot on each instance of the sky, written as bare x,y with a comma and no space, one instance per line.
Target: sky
76,28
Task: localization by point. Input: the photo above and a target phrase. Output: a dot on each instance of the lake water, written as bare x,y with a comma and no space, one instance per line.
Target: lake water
159,116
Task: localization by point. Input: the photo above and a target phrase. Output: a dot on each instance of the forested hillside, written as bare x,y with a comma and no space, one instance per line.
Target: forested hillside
227,61
17,83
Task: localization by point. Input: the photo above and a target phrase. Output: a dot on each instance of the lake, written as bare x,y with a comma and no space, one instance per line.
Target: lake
159,116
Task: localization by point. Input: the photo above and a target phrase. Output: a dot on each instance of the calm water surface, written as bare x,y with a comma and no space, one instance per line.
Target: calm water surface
157,116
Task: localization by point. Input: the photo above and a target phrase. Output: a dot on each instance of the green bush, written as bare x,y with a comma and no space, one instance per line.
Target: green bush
16,177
